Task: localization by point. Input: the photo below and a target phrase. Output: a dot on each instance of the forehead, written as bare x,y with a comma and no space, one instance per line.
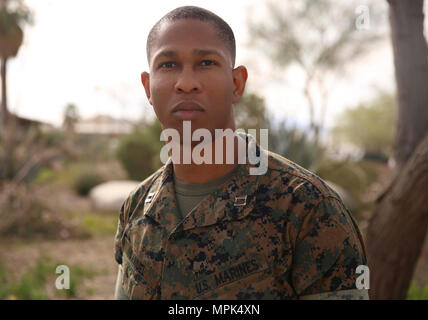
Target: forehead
188,34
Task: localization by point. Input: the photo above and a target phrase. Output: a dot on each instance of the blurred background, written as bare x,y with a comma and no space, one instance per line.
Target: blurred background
342,88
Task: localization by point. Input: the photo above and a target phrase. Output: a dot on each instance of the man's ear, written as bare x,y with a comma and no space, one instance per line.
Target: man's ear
145,80
240,76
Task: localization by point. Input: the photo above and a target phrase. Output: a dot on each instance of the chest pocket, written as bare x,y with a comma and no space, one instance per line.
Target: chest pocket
206,263
133,281
256,286
249,278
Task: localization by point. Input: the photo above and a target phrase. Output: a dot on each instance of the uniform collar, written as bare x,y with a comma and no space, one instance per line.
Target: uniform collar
233,200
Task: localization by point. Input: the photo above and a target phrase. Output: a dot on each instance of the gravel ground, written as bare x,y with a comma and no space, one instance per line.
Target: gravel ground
95,254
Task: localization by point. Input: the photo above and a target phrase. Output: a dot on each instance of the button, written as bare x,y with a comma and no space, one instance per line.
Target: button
240,201
149,197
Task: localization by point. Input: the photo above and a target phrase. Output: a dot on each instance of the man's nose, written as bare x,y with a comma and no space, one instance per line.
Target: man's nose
187,82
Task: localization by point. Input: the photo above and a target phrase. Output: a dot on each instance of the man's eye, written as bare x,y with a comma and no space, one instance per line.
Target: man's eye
207,63
167,64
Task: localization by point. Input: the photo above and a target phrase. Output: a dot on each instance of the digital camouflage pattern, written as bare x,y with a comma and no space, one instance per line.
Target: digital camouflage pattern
290,238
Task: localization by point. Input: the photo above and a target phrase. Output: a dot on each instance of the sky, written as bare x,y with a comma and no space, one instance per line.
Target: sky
91,53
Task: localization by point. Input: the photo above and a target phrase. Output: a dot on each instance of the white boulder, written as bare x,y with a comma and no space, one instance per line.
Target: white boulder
110,195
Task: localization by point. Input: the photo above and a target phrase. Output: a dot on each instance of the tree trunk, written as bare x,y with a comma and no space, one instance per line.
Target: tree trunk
4,111
399,224
397,229
411,73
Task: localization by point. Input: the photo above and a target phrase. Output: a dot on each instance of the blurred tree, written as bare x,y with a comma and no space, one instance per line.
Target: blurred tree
302,33
30,151
13,15
369,126
250,113
398,226
295,145
71,116
292,143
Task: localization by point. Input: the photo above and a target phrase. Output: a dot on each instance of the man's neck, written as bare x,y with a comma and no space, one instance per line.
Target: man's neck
200,173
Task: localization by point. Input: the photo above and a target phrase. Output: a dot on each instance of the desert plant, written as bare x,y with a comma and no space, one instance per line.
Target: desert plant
23,152
86,180
295,145
23,214
139,152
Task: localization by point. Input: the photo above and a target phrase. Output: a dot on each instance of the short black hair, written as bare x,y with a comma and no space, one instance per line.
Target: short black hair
191,12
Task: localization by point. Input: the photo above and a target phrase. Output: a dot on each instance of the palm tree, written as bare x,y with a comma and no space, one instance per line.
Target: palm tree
13,14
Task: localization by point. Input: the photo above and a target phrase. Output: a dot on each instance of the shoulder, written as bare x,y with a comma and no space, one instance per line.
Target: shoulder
289,179
139,193
288,192
326,243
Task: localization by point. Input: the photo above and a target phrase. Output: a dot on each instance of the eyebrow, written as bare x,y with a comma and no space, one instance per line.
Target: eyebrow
198,52
201,52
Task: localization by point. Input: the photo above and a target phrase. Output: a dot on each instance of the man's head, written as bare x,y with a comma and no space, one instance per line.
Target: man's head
190,12
191,54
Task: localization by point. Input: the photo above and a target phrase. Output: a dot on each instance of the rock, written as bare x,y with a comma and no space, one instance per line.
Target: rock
110,195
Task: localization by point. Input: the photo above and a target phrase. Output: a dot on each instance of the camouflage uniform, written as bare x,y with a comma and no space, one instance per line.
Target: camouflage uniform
281,235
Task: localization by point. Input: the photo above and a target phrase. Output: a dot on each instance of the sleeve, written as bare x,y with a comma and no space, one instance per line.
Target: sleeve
327,252
119,293
118,240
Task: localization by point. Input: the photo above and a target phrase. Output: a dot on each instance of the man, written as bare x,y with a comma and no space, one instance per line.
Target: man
214,230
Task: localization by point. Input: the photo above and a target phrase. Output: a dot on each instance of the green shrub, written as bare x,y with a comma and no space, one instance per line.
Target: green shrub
369,126
32,285
45,175
94,223
3,281
417,293
67,175
85,181
295,145
94,147
77,274
353,176
100,224
139,152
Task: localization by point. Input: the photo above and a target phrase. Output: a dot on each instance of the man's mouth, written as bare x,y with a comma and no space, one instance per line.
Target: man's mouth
187,110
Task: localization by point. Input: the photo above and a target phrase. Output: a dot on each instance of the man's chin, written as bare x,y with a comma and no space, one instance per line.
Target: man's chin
186,130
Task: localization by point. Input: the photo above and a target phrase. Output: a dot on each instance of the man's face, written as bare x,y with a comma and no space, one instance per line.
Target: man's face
191,77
